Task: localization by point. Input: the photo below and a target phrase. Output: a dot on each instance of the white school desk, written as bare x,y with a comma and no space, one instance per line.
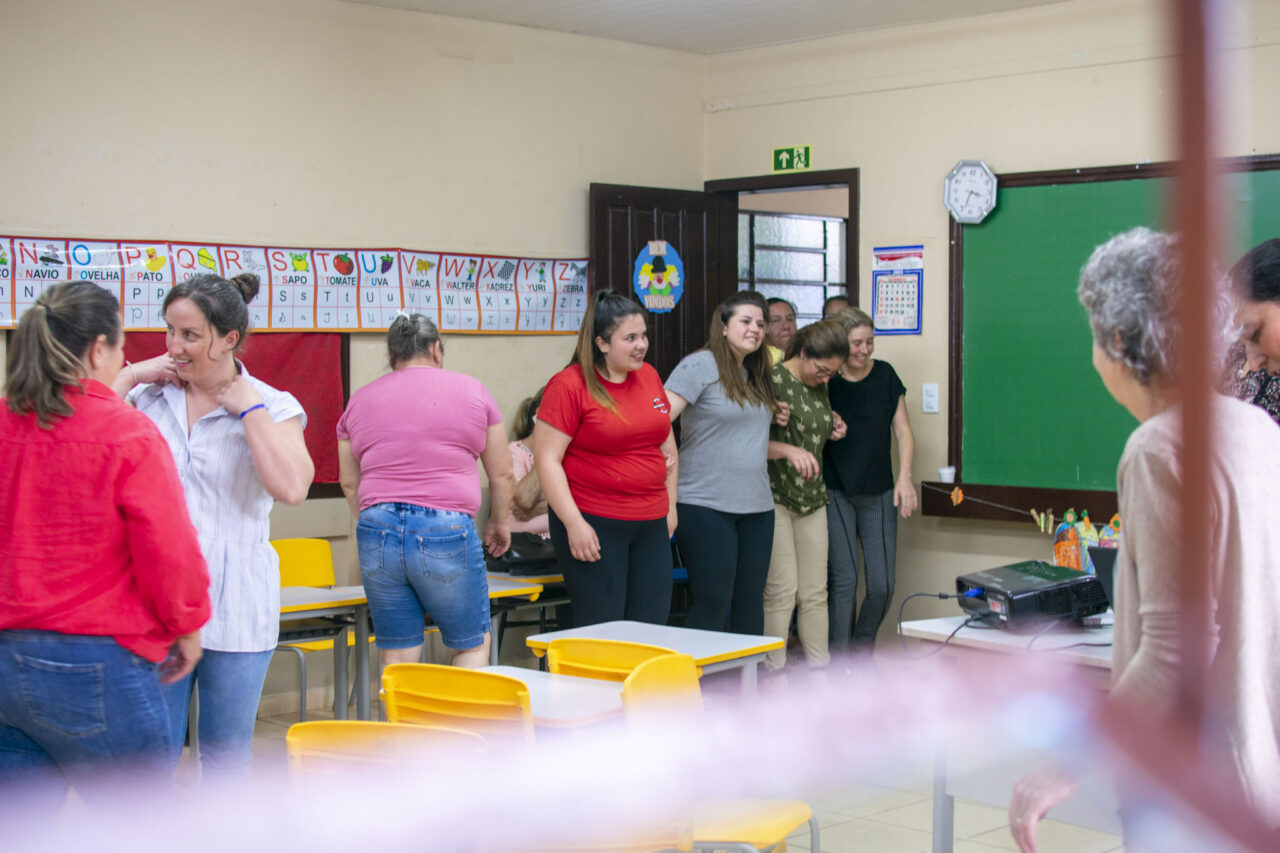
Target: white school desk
993,786
711,650
306,602
309,602
566,701
505,587
551,576
558,595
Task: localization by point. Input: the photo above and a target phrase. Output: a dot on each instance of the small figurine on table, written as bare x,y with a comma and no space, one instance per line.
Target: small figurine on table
1066,542
1088,538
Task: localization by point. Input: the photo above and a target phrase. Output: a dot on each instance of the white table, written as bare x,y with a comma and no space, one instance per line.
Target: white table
501,588
310,602
711,650
1095,809
1064,642
566,701
553,595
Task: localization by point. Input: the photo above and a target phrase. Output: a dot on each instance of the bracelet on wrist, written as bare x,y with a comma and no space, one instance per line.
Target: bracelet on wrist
251,408
132,372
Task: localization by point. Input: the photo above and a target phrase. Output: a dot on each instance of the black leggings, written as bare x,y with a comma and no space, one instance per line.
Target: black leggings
632,578
727,555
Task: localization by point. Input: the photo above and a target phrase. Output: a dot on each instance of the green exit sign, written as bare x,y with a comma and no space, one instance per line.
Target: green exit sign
794,158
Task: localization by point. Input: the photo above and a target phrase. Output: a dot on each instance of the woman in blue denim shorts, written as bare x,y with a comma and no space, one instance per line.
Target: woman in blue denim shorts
407,449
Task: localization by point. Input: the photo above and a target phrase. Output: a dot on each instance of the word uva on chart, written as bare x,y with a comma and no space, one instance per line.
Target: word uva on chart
305,289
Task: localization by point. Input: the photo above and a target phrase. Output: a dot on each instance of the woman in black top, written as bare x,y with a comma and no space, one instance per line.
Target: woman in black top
868,394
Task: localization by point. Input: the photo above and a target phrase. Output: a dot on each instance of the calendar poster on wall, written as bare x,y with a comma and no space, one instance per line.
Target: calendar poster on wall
897,289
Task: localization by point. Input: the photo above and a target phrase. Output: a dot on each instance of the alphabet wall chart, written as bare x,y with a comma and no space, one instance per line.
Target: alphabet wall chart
309,289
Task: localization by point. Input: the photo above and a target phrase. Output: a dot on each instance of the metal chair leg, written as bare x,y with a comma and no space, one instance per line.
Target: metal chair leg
302,679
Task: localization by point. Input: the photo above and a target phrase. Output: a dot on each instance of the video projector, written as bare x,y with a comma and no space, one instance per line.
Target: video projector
1024,596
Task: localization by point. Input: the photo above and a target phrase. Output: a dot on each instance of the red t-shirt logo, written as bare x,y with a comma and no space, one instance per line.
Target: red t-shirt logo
661,405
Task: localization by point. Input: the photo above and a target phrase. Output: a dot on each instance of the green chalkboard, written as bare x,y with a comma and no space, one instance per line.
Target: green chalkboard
1035,413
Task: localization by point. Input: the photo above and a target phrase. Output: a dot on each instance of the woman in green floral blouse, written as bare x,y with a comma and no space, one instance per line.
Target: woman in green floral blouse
798,564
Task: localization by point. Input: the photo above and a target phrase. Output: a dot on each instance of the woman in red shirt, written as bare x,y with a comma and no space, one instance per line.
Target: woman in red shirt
602,442
102,586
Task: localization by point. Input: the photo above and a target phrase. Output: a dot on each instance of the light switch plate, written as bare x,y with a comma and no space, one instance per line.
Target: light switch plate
929,398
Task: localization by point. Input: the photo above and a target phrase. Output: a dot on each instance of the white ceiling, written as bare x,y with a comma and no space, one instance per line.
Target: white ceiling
710,26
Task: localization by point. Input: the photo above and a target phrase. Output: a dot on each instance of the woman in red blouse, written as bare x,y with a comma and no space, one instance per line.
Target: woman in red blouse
602,442
102,586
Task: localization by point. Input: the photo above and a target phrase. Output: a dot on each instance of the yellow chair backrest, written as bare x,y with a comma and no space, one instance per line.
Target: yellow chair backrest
606,660
494,706
664,686
335,745
305,562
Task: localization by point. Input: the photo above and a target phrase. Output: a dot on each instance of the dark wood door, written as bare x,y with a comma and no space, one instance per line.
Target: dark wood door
701,226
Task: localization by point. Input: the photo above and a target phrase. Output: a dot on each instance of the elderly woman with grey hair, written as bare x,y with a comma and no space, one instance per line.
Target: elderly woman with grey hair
1131,287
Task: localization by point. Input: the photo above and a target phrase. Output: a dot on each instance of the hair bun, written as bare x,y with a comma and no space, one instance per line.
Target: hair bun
247,284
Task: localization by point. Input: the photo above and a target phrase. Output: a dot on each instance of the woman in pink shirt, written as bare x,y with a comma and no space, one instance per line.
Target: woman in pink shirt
407,450
528,503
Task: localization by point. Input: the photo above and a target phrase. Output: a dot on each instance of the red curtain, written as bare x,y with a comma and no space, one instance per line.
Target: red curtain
306,364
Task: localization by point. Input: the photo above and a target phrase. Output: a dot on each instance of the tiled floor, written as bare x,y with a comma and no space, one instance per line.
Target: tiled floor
863,818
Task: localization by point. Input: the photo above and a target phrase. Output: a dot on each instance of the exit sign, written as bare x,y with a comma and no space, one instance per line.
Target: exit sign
794,158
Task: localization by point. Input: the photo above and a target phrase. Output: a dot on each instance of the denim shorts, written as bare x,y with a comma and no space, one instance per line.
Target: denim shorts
415,559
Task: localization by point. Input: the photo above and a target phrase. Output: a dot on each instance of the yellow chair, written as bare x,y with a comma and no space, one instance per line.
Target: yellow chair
494,706
606,660
668,686
335,745
307,562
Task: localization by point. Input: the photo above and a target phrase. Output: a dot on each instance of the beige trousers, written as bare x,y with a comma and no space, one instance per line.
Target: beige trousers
797,578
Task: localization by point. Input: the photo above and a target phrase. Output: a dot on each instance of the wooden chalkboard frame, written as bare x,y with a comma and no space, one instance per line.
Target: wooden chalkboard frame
1101,504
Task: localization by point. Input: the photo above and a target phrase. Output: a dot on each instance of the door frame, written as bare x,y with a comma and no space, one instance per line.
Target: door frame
729,188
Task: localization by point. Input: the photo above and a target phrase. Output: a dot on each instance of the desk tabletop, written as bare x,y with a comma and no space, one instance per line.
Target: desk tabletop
1064,643
500,587
297,599
548,578
566,700
705,647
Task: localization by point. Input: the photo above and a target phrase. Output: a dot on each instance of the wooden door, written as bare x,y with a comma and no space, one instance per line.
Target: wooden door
701,226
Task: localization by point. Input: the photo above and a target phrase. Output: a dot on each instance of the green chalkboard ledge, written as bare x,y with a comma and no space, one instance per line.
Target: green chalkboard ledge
936,501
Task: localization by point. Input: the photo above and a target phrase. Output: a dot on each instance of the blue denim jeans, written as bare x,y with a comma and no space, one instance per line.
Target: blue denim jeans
229,686
77,711
415,559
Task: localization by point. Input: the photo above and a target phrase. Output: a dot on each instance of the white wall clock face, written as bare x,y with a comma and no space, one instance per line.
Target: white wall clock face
969,191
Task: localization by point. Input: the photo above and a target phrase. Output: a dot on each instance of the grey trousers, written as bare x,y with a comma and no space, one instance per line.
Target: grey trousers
873,521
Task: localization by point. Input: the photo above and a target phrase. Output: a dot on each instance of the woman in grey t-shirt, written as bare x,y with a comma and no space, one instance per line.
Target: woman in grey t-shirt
725,506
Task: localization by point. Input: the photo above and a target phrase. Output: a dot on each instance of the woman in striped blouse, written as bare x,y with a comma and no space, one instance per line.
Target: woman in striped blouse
238,446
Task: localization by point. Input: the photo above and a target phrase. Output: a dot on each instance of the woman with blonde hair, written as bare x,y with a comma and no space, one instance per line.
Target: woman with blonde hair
797,580
528,503
601,446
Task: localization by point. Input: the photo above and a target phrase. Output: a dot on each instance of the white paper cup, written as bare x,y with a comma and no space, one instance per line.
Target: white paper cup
947,474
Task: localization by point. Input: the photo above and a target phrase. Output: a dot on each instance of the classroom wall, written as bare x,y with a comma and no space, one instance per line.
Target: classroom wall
318,122
1072,84
330,123
323,123
829,202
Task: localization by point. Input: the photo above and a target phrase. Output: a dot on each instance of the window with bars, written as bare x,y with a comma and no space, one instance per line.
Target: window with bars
799,258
